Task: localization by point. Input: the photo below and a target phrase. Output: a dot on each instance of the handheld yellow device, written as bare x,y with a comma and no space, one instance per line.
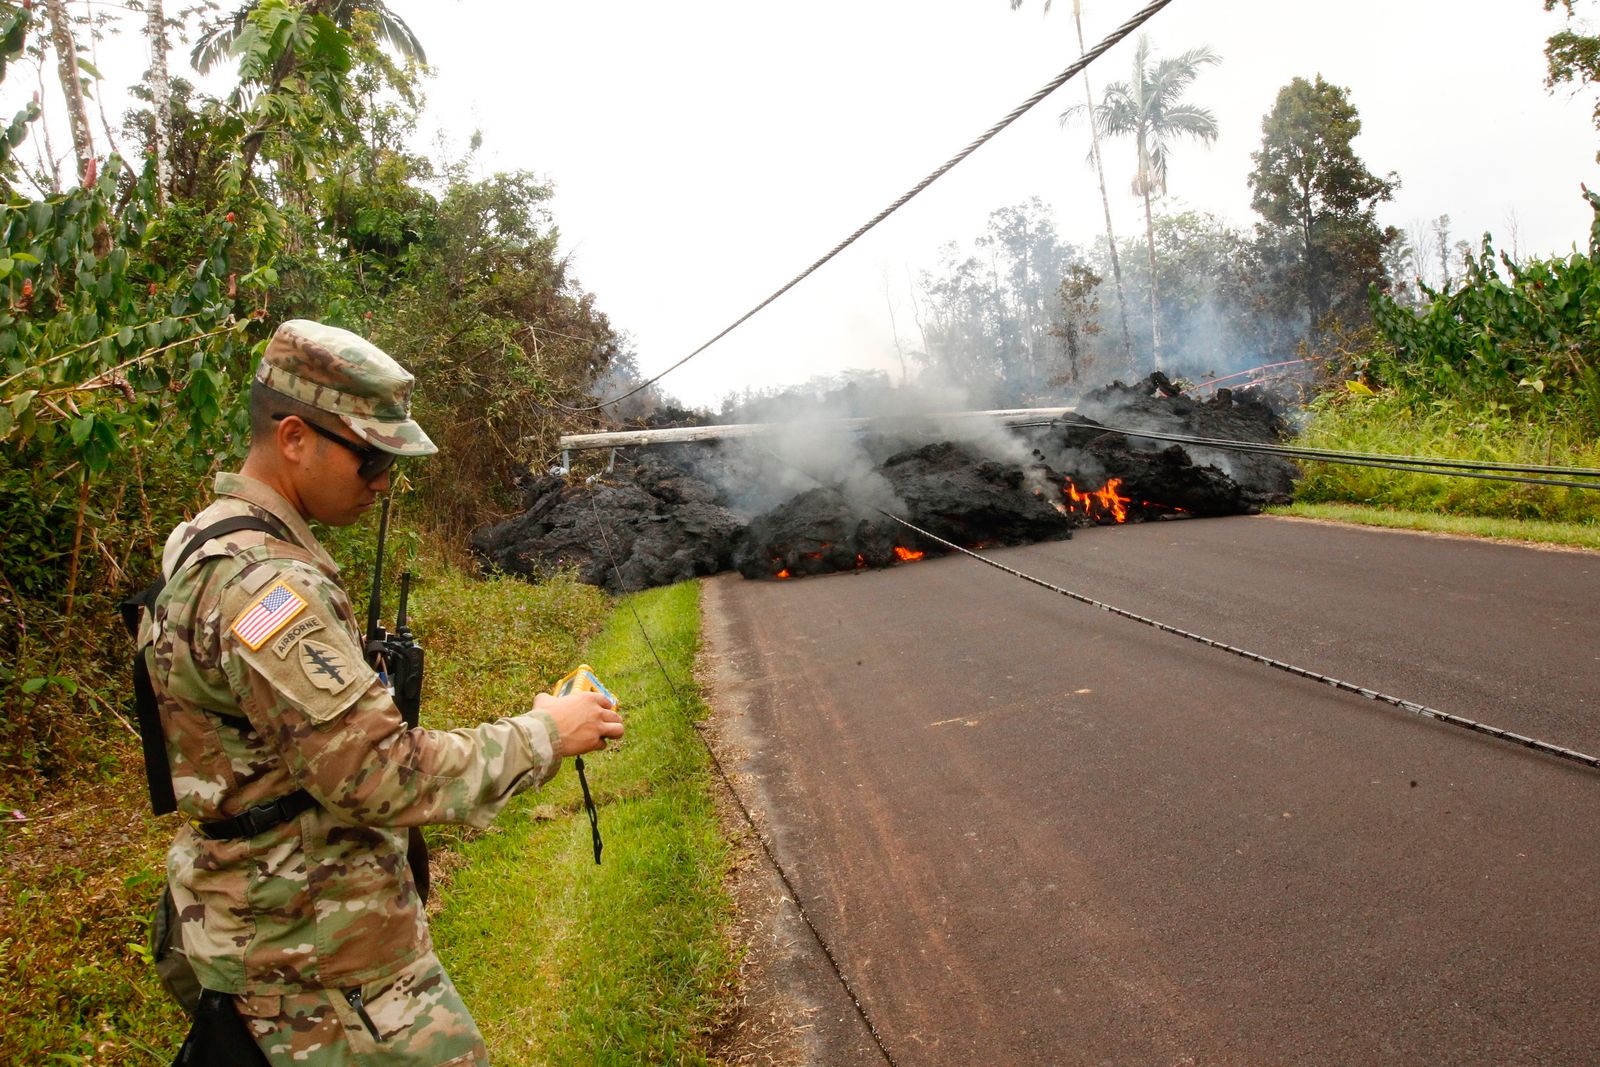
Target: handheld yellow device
582,679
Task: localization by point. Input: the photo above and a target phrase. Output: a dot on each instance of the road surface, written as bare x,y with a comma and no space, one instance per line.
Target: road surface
1036,833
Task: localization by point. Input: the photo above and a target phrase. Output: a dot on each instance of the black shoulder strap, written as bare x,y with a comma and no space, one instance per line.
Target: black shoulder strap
157,771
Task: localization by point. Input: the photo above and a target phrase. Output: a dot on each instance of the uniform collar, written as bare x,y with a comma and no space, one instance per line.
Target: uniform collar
259,493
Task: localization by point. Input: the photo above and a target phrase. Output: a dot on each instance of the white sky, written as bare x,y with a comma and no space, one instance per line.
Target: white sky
703,153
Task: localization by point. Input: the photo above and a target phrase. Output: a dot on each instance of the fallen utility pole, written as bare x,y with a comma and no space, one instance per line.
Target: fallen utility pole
678,435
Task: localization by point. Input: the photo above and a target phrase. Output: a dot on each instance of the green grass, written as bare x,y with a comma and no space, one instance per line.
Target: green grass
1534,531
1452,431
562,962
566,962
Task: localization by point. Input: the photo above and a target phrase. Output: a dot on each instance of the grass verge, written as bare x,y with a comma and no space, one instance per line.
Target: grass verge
1532,531
566,962
624,963
1385,424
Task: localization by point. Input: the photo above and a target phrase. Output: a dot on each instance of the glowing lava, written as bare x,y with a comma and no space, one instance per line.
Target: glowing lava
1104,504
905,555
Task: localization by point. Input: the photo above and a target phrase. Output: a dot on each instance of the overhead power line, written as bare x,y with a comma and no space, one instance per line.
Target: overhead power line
1411,464
1139,19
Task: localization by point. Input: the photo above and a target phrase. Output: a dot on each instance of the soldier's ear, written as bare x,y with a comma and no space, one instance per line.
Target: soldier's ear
293,439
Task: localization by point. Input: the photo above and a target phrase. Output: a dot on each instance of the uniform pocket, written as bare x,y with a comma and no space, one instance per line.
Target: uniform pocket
414,1017
358,1004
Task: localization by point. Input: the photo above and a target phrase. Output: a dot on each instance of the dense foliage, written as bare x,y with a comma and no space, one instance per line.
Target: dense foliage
132,311
1522,337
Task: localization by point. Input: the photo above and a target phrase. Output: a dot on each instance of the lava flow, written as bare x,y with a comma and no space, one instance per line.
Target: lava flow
1102,505
905,555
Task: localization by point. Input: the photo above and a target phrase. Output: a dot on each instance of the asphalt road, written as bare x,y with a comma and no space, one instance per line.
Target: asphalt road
1036,833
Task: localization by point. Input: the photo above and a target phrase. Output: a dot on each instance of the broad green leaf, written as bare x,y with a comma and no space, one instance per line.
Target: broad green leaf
1359,388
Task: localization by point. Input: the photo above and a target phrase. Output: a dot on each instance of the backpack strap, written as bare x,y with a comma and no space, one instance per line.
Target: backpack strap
157,770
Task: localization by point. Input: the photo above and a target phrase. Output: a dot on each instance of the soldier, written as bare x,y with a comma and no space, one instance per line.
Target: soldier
288,755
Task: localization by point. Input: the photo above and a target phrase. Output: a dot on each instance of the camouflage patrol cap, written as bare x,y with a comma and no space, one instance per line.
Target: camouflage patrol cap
346,375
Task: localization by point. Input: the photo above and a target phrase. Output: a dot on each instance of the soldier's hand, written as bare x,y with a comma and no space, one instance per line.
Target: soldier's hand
585,721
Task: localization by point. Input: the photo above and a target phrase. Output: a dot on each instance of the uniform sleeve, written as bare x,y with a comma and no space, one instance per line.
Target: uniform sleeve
291,657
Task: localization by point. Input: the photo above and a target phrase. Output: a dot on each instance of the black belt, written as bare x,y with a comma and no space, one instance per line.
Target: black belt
259,819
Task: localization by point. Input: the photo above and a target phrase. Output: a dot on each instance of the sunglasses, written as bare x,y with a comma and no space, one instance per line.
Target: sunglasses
373,461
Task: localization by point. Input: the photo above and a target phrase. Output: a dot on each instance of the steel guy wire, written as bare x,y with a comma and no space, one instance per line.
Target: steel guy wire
1460,721
727,783
1139,18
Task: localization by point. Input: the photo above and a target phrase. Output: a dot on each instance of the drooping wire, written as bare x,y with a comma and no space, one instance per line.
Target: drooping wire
1142,16
1459,721
1414,464
727,783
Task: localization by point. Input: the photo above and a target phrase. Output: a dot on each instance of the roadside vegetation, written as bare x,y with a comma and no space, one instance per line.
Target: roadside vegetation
1527,531
136,292
1503,367
627,962
562,962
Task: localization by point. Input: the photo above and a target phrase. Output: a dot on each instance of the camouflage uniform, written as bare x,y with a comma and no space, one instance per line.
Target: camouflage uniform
315,925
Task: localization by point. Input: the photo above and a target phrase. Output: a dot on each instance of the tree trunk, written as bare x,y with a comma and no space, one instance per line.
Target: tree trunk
1105,199
1150,238
71,86
1306,221
161,92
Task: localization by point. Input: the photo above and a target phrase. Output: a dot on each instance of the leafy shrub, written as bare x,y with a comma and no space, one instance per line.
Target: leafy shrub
1526,343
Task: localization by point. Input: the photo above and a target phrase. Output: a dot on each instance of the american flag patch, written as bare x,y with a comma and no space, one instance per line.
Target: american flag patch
270,613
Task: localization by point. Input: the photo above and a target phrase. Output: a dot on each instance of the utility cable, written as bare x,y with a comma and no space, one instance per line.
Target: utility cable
1546,747
1411,464
1333,455
727,783
1139,19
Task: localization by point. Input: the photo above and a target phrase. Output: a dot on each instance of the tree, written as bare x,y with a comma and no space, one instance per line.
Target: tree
992,313
1150,108
1318,200
160,96
72,87
1100,171
218,40
1573,57
1217,307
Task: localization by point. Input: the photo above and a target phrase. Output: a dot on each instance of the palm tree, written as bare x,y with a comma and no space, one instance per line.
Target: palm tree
216,41
1150,107
1099,166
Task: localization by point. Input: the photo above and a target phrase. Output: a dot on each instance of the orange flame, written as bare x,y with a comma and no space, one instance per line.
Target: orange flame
1098,504
905,555
783,573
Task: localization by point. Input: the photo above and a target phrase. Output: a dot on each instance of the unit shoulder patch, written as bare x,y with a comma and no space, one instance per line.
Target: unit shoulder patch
267,614
325,666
